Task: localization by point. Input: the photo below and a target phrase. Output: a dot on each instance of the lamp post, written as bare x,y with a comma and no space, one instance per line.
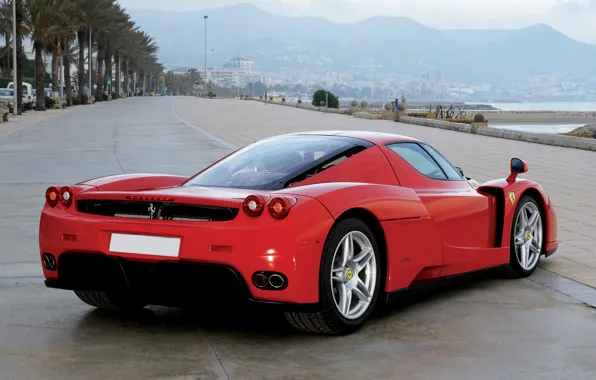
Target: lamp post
205,79
15,98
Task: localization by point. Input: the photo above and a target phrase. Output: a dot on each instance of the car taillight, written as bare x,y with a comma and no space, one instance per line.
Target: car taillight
52,196
66,196
279,207
253,205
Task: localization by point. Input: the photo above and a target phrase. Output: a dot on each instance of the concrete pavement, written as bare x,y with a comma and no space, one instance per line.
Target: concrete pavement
537,328
86,142
569,175
488,330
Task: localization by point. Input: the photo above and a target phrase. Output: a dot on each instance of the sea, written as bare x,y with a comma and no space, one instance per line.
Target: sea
544,106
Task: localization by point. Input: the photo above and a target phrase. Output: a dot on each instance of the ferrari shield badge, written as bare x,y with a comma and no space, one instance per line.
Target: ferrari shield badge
349,274
512,197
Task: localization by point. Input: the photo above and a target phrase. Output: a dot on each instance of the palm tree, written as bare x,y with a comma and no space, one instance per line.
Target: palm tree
46,19
6,29
62,40
21,29
118,19
6,34
114,36
55,25
142,57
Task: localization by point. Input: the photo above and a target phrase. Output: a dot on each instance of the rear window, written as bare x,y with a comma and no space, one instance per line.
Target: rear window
270,163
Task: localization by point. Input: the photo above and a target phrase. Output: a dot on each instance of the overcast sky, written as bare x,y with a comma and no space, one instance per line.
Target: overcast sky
576,18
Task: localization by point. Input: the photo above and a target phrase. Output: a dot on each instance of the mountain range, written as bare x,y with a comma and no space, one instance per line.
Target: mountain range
396,45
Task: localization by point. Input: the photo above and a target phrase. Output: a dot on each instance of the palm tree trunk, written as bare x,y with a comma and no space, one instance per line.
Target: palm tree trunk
118,73
39,76
109,66
20,55
66,61
126,78
82,37
56,68
99,81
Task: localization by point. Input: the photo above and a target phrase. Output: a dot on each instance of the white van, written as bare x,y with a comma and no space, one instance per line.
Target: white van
29,97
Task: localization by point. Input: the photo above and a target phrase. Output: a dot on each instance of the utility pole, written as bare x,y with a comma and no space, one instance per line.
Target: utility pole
15,103
205,79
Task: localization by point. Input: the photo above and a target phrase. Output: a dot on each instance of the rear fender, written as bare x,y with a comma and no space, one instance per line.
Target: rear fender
135,182
412,245
507,195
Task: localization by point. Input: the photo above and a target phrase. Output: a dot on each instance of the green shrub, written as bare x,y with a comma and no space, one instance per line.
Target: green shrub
319,96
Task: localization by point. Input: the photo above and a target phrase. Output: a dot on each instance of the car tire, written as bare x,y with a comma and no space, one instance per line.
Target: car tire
329,319
110,301
533,238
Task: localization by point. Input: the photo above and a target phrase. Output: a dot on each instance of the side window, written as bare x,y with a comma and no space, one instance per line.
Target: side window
448,168
419,159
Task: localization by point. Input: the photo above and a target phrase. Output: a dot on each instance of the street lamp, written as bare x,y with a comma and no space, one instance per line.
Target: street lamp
205,79
15,92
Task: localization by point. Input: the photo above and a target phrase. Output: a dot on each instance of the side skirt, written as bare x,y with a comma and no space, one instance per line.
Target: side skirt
421,287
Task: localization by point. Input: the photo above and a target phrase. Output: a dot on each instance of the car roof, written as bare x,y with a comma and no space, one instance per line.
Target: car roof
378,138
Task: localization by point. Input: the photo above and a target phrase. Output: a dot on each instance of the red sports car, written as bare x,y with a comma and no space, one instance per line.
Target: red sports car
324,224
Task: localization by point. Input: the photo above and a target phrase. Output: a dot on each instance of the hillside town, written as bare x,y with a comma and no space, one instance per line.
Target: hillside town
241,74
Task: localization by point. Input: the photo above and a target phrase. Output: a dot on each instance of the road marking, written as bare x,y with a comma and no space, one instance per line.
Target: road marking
216,139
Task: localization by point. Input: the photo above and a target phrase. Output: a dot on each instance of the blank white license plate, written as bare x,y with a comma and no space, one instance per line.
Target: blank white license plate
145,245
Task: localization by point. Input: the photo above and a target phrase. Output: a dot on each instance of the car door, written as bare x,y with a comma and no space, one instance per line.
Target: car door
462,216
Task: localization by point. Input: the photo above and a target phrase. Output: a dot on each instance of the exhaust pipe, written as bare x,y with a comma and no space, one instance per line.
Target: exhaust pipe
276,281
260,280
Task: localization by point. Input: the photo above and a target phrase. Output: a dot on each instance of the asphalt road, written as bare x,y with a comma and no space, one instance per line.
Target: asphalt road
488,328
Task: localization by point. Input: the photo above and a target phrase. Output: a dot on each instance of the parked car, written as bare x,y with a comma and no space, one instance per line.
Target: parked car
29,97
7,95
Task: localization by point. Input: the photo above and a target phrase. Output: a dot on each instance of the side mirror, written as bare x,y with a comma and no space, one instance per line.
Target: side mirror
518,166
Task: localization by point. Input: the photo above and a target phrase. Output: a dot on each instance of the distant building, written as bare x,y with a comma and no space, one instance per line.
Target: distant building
236,72
239,63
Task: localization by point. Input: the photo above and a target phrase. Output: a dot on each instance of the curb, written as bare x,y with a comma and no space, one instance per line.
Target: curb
536,138
544,139
223,143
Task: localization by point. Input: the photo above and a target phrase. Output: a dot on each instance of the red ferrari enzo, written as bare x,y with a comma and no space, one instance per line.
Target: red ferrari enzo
324,224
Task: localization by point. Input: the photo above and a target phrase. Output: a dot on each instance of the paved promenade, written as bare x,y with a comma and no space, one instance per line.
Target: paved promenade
489,329
569,175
